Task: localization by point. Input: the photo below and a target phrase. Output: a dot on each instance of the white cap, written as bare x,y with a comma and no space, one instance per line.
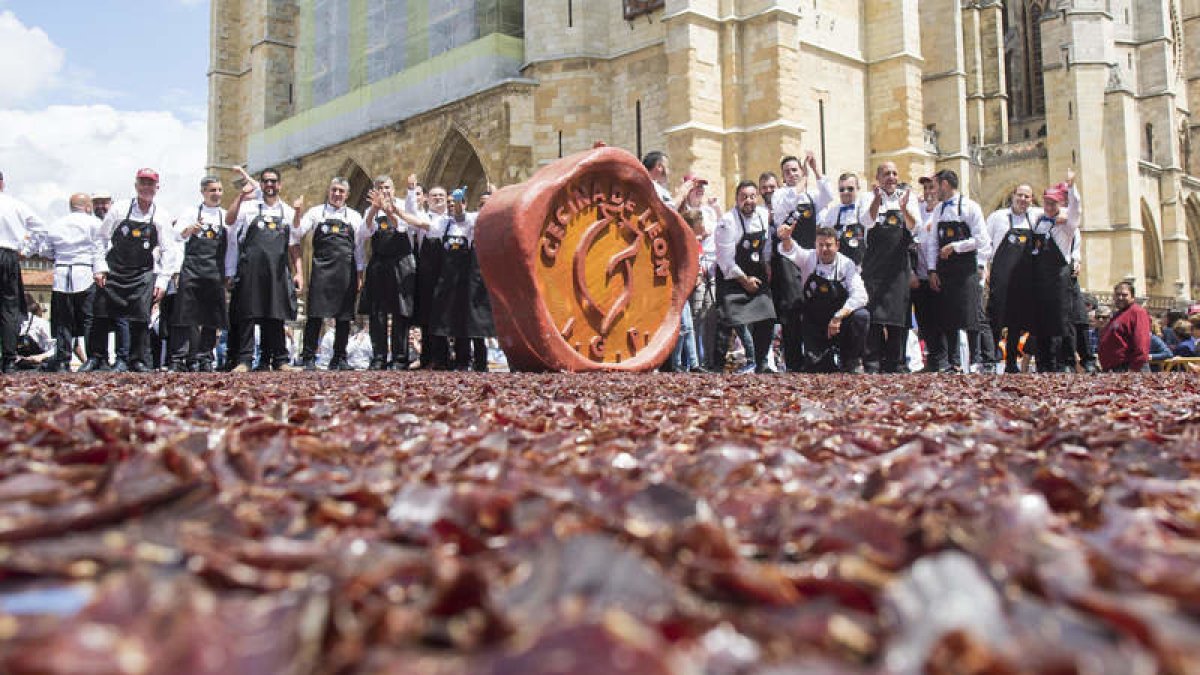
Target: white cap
101,194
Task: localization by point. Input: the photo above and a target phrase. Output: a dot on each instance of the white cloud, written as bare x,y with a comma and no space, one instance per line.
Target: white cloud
49,154
38,57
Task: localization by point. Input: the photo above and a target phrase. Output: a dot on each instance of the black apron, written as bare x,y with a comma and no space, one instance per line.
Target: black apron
1010,281
737,306
852,241
958,305
263,288
390,280
429,270
886,270
128,291
1077,311
787,288
461,307
200,296
333,281
822,299
1051,283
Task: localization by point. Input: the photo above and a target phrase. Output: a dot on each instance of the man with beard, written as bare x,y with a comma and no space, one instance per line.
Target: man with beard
68,241
890,222
1010,279
262,267
953,260
835,318
390,281
337,267
199,310
796,205
743,256
132,264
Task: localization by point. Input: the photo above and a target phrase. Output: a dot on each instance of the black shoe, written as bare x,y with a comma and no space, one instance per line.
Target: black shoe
120,366
139,367
202,366
8,366
339,363
308,363
178,366
94,365
700,370
377,364
396,365
54,366
766,370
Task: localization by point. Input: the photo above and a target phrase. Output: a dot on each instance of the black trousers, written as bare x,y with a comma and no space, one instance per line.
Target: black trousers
70,316
272,347
1076,347
470,353
189,343
794,338
1048,353
377,326
11,300
312,335
885,348
760,336
851,340
133,336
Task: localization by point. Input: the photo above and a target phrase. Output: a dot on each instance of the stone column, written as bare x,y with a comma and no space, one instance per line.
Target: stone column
944,87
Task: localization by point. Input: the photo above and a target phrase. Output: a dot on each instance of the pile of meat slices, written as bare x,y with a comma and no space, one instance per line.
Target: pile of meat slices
448,523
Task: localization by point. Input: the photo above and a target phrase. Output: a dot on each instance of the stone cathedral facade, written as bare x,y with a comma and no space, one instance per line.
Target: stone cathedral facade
466,92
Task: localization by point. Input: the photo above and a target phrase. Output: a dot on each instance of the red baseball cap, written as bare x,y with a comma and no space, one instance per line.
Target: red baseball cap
926,179
695,179
148,173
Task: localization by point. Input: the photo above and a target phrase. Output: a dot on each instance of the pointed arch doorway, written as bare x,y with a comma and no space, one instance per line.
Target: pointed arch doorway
456,164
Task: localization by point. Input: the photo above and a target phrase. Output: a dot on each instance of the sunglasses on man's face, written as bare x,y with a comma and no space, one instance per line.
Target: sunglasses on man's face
270,181
847,188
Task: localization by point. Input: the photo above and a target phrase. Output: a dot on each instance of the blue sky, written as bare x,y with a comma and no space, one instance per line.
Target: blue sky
92,90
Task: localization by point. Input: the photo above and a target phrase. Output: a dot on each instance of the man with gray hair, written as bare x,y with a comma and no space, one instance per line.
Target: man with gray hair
199,309
337,268
390,281
68,242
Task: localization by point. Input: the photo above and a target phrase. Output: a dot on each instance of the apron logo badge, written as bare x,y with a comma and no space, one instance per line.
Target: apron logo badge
893,220
824,288
124,230
754,256
137,234
146,245
949,231
853,243
1012,239
335,229
746,245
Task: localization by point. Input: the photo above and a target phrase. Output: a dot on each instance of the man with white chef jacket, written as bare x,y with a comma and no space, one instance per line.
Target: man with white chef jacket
18,228
68,241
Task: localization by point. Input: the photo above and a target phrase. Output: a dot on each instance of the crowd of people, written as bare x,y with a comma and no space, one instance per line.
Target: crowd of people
815,274
805,273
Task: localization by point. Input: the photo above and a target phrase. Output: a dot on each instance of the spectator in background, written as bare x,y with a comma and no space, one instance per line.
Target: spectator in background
1185,334
1125,341
1159,351
35,346
1172,317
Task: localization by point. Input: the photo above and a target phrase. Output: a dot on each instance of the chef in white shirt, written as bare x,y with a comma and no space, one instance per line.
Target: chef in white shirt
338,262
18,226
199,310
924,300
952,253
743,294
132,266
795,203
69,242
845,216
262,267
835,299
890,222
1009,269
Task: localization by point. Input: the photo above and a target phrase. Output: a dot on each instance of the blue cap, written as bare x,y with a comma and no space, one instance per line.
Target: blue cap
459,195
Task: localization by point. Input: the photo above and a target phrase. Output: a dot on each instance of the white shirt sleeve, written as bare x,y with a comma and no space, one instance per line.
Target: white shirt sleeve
728,234
803,258
360,239
308,221
104,240
165,256
856,287
973,217
825,194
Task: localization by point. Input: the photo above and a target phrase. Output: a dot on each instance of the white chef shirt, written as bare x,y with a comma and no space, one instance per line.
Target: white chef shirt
729,235
1002,220
787,198
246,215
449,226
947,211
1063,234
842,268
18,223
69,242
891,202
163,253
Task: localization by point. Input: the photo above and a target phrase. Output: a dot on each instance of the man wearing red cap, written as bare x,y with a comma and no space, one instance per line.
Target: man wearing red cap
1050,248
133,261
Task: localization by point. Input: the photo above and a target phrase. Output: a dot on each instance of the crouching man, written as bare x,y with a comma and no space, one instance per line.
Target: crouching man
835,320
